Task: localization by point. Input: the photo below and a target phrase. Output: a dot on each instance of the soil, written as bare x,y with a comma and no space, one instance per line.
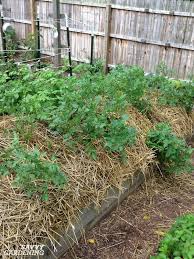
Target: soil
135,229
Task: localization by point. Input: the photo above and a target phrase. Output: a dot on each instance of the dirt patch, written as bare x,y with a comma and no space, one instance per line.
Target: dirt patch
135,229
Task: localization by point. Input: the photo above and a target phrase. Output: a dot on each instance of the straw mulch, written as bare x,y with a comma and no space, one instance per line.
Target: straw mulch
177,117
135,230
31,221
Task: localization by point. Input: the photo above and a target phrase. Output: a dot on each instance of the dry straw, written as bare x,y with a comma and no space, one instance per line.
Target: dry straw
30,221
177,117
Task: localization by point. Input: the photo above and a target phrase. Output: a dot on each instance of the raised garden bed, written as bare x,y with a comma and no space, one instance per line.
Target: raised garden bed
67,143
89,217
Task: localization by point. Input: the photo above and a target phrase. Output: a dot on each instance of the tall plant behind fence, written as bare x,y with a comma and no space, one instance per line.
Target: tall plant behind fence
142,32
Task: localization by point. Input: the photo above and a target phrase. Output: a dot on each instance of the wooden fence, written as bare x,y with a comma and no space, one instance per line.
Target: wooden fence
142,32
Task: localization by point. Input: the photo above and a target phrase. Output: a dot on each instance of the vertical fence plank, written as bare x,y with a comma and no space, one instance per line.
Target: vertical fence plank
33,15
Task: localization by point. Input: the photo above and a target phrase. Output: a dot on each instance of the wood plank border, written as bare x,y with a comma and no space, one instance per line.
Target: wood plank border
90,216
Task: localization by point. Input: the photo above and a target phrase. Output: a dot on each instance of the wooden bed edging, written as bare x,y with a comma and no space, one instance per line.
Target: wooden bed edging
90,216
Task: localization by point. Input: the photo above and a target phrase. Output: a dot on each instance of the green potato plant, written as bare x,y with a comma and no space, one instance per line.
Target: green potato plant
172,152
178,243
32,172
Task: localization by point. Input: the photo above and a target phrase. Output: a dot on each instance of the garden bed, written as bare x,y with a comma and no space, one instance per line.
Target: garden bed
72,145
88,182
90,216
135,229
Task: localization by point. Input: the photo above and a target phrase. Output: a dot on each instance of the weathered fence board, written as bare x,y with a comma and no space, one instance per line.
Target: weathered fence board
139,36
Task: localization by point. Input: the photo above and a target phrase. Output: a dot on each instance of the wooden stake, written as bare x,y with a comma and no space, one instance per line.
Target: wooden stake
107,36
57,33
33,16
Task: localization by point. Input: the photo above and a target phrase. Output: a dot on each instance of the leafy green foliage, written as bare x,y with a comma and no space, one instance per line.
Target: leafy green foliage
31,171
179,241
83,69
87,109
132,83
156,81
27,93
173,92
11,43
84,114
79,108
30,43
91,110
178,93
172,152
24,127
118,135
163,70
8,71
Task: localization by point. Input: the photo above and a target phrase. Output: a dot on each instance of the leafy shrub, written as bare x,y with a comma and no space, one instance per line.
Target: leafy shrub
13,89
179,241
172,152
32,172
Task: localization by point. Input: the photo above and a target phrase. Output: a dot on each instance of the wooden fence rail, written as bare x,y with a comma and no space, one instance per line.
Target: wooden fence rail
141,32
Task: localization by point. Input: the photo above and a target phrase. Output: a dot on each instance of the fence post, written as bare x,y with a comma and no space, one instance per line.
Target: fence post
33,16
3,39
92,49
57,33
107,36
38,52
69,46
